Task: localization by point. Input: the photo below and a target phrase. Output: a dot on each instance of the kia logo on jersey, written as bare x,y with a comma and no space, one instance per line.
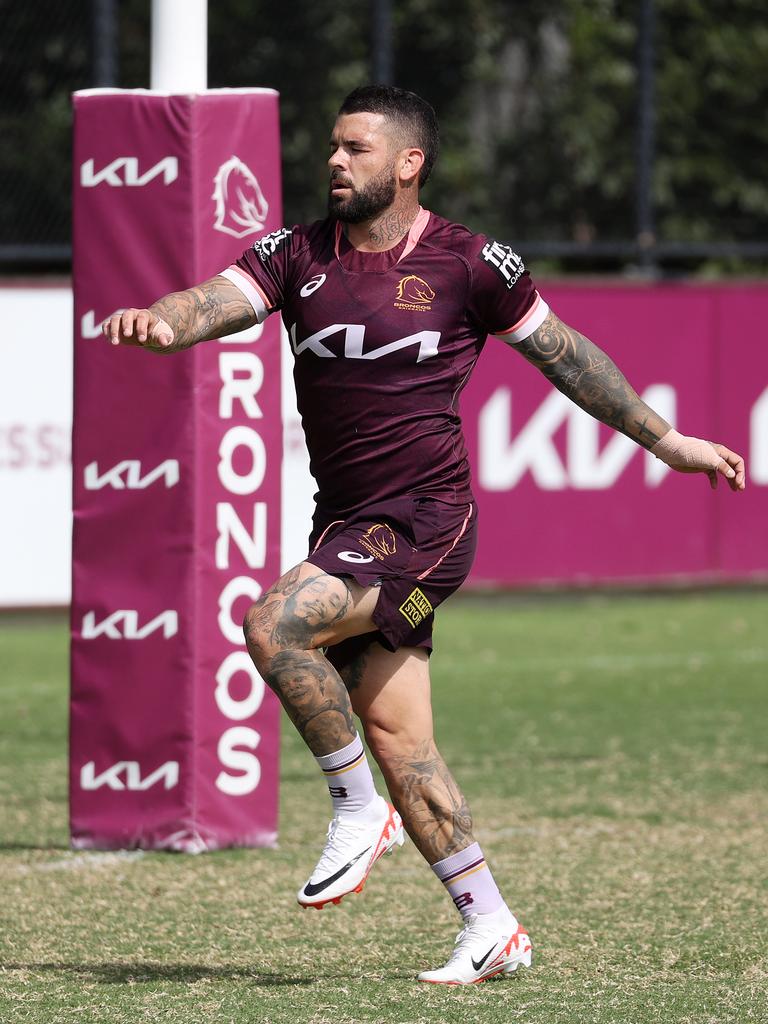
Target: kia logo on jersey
241,208
354,341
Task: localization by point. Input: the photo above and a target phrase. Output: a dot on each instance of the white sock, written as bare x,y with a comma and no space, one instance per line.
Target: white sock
349,778
469,882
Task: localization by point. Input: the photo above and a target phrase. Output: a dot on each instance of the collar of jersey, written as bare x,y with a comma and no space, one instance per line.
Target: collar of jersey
379,262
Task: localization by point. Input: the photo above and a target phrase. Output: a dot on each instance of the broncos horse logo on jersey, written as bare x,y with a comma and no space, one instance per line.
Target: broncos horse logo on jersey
414,293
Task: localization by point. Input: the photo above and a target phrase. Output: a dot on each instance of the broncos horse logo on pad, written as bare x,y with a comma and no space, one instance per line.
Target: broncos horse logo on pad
241,208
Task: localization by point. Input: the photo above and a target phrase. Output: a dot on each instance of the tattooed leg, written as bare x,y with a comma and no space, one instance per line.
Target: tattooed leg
390,694
314,697
353,673
305,610
434,811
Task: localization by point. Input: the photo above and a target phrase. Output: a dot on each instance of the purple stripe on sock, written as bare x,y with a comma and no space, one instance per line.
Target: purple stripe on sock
346,764
467,867
458,862
469,882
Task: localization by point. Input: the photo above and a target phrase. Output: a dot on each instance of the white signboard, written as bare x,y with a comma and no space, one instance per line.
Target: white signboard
35,457
35,427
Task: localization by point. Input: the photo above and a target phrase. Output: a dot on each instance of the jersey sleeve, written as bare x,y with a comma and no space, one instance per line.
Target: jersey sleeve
262,272
503,299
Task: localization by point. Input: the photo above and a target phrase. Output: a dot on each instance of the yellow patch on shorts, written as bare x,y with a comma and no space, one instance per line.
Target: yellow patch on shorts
416,607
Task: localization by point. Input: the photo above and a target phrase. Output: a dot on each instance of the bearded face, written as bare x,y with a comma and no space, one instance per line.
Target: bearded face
355,205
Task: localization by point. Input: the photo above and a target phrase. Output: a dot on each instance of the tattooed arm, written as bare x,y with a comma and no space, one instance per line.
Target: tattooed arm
586,375
590,378
212,309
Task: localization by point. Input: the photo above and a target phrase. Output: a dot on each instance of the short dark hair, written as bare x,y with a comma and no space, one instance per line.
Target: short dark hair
414,117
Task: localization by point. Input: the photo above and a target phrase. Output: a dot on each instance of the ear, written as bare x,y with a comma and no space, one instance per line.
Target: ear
411,162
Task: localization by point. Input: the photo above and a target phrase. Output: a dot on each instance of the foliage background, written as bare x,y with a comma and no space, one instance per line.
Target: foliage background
537,103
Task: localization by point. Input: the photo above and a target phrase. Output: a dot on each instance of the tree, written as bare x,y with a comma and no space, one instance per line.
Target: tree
537,105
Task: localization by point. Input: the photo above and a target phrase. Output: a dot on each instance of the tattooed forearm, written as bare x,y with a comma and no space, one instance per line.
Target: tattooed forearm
590,378
210,310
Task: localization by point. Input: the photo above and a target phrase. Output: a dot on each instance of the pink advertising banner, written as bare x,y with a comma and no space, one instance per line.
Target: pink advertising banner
563,499
176,463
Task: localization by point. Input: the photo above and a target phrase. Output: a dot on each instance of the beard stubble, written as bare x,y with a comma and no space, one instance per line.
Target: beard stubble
369,201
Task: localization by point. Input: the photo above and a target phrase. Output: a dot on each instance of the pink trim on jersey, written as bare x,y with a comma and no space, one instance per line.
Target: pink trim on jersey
527,324
445,554
250,289
417,230
322,535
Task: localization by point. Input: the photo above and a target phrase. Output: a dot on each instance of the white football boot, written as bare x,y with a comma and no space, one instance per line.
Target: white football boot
487,945
355,842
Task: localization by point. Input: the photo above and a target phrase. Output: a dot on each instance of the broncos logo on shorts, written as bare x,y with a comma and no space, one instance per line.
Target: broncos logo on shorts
379,540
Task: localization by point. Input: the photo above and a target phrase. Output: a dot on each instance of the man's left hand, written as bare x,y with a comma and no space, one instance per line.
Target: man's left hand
694,455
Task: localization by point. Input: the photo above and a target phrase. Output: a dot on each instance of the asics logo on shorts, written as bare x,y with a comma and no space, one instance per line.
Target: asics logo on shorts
354,556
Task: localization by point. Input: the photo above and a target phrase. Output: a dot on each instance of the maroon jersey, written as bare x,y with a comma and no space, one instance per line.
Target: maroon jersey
384,344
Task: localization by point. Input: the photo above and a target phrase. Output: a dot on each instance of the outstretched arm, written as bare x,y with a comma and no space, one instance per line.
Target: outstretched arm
590,378
212,309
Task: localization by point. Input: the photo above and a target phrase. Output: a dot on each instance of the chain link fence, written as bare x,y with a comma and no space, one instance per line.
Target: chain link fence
596,134
46,53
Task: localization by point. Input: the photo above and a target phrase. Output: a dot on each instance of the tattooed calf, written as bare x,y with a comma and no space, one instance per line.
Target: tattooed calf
314,697
434,811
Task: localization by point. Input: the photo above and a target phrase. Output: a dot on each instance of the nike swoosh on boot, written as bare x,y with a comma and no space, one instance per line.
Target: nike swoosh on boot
312,889
477,964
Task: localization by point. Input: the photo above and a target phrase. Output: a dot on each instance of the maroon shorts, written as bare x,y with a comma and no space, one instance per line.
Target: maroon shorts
417,550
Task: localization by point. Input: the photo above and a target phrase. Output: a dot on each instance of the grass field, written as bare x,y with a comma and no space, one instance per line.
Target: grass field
614,752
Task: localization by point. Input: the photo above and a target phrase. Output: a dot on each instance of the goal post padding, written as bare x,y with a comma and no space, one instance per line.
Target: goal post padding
177,468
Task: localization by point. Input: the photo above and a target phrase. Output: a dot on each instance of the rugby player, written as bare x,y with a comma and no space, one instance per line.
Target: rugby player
388,307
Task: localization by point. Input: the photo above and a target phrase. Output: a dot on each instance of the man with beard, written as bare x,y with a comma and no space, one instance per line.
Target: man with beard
388,307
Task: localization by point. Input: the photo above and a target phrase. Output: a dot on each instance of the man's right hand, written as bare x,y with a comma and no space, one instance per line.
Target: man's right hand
140,327
212,309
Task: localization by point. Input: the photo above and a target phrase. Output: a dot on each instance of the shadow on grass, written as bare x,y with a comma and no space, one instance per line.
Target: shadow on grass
121,973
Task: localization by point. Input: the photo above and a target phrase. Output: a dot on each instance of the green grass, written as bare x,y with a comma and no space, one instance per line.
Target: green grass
614,753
